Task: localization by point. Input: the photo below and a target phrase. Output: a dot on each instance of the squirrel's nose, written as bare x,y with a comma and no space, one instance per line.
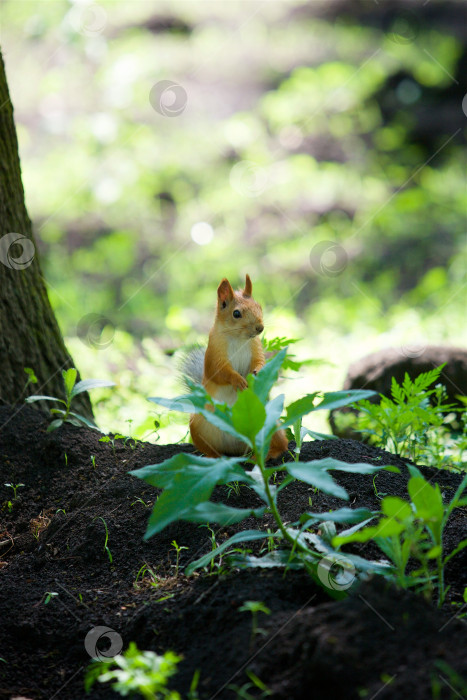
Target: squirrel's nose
259,328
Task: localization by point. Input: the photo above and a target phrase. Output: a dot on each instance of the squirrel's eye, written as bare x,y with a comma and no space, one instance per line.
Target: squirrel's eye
237,314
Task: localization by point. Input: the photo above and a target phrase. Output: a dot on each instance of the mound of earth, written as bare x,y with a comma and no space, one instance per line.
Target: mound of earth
377,642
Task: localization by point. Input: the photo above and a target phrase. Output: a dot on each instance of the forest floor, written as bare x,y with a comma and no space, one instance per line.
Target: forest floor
378,642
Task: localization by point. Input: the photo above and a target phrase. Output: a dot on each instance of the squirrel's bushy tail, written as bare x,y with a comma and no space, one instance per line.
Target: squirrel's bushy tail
192,365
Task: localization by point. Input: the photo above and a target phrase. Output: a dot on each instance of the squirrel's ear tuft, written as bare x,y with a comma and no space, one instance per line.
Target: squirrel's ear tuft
225,291
248,287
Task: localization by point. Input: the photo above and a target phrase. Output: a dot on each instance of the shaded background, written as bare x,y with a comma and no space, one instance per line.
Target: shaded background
318,146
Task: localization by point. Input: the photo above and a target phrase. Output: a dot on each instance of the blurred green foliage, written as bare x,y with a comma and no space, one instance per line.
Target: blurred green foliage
303,123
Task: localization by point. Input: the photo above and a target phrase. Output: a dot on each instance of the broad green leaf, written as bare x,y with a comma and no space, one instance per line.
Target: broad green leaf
357,468
183,404
274,559
87,384
300,408
394,507
428,504
248,414
318,436
315,474
413,471
385,528
456,501
368,565
355,528
40,397
434,552
196,402
209,512
69,378
342,515
245,536
54,425
84,420
267,376
337,399
188,480
225,469
452,554
273,413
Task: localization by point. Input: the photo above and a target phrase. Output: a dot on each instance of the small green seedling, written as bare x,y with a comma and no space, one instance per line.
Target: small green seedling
111,440
135,671
233,487
140,500
72,389
242,692
106,548
146,574
32,379
255,607
297,432
15,487
48,596
178,549
93,461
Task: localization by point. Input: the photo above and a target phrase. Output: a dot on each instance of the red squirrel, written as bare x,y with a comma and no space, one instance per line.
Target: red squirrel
234,350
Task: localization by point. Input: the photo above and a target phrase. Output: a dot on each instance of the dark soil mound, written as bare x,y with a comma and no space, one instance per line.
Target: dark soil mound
379,641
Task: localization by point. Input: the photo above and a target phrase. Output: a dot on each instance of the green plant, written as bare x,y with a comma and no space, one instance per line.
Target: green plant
414,529
140,500
233,487
106,547
178,549
32,379
48,596
15,487
135,671
146,574
242,691
275,345
448,677
298,432
188,480
111,440
255,607
71,390
411,423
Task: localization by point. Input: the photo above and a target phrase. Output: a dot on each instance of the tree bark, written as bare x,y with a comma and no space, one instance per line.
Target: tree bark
29,333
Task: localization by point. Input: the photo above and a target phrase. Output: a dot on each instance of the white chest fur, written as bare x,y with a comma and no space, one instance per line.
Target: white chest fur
239,352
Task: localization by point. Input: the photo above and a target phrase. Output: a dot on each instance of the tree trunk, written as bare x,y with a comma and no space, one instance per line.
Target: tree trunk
29,333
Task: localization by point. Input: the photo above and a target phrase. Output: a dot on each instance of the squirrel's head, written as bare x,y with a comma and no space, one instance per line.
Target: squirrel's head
238,312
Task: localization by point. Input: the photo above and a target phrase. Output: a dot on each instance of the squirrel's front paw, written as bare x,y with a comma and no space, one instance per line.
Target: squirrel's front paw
240,383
